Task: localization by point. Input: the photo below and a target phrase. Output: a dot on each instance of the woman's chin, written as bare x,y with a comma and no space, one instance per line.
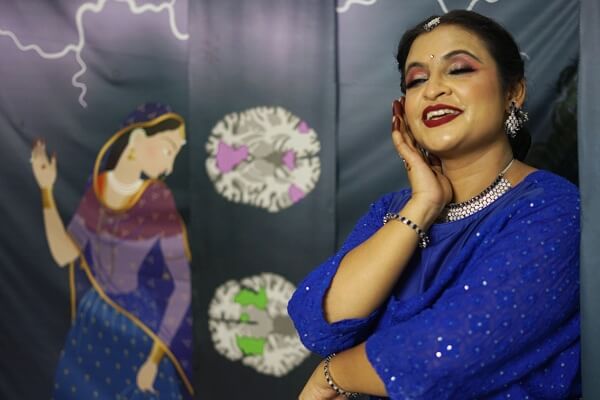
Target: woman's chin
441,148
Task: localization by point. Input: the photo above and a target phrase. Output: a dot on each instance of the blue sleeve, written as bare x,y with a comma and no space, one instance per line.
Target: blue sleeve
513,308
306,304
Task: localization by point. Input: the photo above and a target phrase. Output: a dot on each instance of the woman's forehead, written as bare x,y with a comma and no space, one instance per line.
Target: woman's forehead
443,40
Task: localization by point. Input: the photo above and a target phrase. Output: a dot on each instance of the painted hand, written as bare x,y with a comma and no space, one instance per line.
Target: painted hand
146,376
44,169
428,183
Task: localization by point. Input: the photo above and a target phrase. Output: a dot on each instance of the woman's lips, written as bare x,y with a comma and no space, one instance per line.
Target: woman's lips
432,122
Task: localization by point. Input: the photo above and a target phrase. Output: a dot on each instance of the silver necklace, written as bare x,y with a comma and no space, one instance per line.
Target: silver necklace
456,211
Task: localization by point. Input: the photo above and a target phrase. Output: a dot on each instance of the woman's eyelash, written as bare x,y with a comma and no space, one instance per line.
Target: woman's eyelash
461,70
456,71
414,82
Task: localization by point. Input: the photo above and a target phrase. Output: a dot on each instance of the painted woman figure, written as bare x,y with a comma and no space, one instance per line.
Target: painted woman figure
127,250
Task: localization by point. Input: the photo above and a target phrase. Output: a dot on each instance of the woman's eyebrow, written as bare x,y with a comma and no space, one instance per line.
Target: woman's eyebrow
414,64
461,51
445,57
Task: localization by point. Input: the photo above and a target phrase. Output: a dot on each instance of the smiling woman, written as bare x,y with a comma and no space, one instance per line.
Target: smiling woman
466,284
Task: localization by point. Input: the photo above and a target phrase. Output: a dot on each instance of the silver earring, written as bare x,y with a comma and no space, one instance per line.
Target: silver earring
515,121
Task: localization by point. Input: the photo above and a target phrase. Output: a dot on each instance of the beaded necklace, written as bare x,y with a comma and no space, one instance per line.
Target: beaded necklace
456,211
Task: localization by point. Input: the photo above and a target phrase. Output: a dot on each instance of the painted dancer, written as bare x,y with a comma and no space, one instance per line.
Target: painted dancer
127,251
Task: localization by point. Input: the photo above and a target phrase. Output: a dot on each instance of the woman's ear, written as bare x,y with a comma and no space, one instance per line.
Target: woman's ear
136,135
517,94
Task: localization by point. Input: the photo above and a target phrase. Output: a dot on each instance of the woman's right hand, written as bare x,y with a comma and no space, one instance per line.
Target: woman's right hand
44,169
430,187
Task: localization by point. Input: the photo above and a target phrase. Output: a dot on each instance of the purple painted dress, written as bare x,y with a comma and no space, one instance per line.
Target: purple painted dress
138,262
490,310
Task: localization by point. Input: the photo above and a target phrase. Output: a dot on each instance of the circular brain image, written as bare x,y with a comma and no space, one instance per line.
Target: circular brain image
248,321
265,157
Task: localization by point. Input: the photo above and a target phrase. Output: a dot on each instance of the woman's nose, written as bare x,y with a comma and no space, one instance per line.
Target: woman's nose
435,87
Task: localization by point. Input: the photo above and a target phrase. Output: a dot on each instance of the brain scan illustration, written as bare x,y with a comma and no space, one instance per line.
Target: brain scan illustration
248,322
265,157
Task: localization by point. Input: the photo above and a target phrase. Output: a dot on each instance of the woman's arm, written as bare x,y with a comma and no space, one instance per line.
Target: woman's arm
61,246
369,272
350,370
332,316
513,312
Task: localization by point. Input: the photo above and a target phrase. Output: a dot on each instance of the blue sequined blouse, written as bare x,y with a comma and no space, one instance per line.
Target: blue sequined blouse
490,310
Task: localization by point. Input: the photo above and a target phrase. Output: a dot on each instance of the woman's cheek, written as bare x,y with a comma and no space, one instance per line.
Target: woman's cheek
152,151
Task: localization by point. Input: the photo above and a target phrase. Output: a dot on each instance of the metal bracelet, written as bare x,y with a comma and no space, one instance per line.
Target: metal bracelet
47,198
338,390
423,237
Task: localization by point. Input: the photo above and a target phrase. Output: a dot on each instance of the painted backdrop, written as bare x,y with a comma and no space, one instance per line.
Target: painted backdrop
286,107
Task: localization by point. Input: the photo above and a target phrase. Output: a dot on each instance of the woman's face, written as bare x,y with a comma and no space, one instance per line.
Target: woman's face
454,100
157,152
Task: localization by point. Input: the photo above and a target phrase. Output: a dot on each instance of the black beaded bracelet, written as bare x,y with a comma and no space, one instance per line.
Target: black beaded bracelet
338,390
423,237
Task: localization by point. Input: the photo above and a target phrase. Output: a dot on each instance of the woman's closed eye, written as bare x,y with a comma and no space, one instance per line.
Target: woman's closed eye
415,80
456,70
461,70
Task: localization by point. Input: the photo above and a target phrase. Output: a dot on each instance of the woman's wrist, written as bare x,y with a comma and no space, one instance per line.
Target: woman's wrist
421,213
47,198
157,353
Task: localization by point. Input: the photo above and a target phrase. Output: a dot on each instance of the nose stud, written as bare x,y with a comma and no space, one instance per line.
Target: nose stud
431,56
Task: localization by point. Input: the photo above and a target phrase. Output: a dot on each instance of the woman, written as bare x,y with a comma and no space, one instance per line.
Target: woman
471,288
129,267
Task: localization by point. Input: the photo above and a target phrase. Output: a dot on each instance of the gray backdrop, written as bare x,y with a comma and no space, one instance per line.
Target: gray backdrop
589,167
330,64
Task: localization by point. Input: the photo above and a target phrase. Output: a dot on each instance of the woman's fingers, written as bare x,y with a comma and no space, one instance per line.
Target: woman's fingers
53,162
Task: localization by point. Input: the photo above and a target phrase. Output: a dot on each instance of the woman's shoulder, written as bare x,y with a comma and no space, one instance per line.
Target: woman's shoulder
544,184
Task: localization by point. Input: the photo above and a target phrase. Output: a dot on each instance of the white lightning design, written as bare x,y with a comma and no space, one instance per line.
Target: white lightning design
349,4
442,4
77,48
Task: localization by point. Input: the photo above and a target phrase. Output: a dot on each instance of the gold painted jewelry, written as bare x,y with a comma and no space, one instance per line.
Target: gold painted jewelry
131,155
157,353
47,199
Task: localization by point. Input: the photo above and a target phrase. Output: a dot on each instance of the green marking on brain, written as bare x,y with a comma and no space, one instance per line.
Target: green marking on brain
245,317
247,297
251,346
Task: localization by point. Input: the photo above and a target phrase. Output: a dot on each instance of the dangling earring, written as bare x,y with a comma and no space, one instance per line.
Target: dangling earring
515,121
131,155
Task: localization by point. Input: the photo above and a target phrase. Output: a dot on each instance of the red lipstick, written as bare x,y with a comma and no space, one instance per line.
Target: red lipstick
437,121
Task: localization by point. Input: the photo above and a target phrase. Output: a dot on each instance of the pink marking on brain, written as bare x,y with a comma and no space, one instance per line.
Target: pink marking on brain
303,127
255,156
296,194
228,157
289,159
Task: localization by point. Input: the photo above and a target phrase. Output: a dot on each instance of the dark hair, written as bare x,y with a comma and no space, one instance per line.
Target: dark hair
121,143
501,46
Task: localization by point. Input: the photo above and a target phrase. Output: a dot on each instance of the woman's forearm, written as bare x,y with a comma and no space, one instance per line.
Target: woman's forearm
353,372
368,273
61,246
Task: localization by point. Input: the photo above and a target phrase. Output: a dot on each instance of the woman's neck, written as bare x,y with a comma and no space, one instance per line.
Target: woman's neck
127,171
471,174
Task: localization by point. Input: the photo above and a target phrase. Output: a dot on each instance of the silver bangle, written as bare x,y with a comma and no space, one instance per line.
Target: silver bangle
338,390
423,237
